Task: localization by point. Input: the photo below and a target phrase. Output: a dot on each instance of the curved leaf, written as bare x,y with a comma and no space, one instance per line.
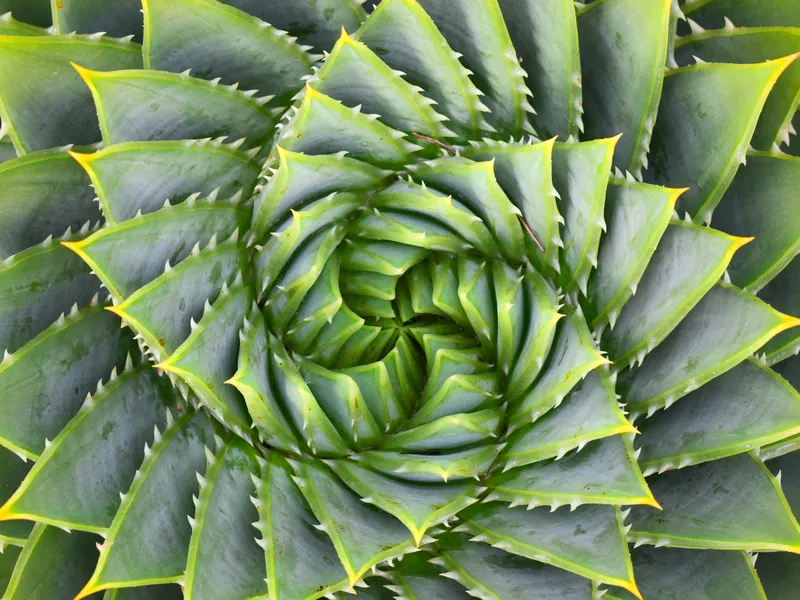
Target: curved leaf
476,29
590,412
623,55
214,40
588,541
169,235
141,176
750,45
31,67
208,357
149,537
761,201
42,194
637,215
36,286
224,561
157,105
52,564
356,76
729,504
750,406
605,472
47,380
670,288
76,482
545,37
725,327
706,118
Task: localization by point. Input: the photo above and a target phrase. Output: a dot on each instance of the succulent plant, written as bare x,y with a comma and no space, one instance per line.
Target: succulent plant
403,320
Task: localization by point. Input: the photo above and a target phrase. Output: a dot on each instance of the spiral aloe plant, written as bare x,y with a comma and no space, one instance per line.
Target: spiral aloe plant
403,319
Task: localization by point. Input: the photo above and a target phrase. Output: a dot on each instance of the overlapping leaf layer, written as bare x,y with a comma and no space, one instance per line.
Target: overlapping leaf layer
304,299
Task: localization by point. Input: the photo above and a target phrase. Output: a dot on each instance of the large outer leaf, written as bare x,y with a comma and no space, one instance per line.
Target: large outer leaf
729,504
623,55
31,67
217,41
545,35
706,118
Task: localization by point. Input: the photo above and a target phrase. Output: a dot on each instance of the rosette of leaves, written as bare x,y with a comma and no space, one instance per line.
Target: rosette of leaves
391,301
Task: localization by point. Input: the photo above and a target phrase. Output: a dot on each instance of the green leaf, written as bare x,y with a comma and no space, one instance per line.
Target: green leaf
725,327
637,215
161,312
431,468
580,174
750,406
362,535
706,118
322,125
169,234
605,472
744,45
623,55
253,382
476,29
356,76
148,105
534,330
76,482
293,235
116,17
301,179
13,470
572,358
419,506
669,288
414,215
788,465
214,40
32,67
47,380
489,572
208,357
416,578
314,22
728,504
141,176
760,201
340,398
545,36
452,431
292,394
524,172
301,561
42,194
8,560
590,412
749,13
149,537
474,185
783,293
52,564
224,560
36,286
588,541
671,573
402,34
